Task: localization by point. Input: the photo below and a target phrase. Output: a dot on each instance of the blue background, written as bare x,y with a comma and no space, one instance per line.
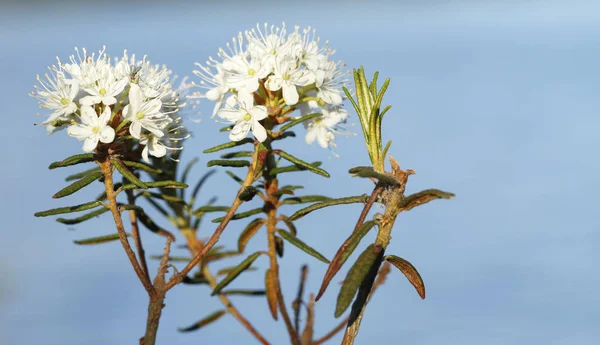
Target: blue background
494,101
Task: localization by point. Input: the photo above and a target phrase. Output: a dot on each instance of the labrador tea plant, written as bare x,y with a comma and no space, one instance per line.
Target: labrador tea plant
266,82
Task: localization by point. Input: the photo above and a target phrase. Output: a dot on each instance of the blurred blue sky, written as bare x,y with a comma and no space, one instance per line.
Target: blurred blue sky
494,101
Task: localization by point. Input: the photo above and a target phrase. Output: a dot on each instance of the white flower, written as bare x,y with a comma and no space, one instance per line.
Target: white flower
105,88
322,128
92,128
144,114
246,118
286,76
153,147
328,82
270,44
57,95
243,74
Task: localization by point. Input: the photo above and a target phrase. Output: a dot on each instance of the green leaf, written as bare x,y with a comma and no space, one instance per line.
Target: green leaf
81,174
128,174
279,246
332,202
165,197
234,177
142,166
290,225
195,280
200,184
82,218
76,159
301,245
250,230
241,215
291,168
188,168
355,277
226,270
287,190
238,154
98,240
77,185
237,163
226,128
209,208
229,145
207,320
248,193
244,292
343,253
220,255
423,197
68,209
235,272
172,258
157,184
299,120
302,163
409,271
288,134
304,199
387,147
370,172
151,225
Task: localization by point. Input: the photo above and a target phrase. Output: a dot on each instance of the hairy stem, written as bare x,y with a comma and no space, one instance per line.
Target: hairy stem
135,232
111,195
195,246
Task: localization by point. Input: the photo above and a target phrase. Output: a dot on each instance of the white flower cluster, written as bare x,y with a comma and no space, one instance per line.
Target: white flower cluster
112,102
268,73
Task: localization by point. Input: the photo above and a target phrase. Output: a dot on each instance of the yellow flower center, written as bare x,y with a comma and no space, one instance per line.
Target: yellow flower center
102,91
64,101
285,76
140,115
247,117
272,52
96,130
251,72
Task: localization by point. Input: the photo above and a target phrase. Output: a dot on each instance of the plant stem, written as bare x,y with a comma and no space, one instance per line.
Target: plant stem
176,279
136,235
195,246
107,170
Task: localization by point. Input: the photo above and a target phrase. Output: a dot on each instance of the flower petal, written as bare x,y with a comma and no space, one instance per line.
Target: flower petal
290,94
259,131
240,131
90,143
107,135
259,112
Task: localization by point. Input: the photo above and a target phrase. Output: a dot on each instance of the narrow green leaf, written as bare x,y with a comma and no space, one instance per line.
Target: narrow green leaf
332,202
355,277
83,218
229,145
292,168
302,163
250,230
370,172
248,193
98,240
234,177
301,245
241,215
165,197
244,292
207,320
199,185
346,249
76,159
220,255
151,225
235,272
157,206
209,208
142,166
172,258
226,270
188,168
81,174
77,185
157,184
289,190
423,197
290,225
386,148
304,199
237,154
279,246
226,128
121,168
409,271
68,209
288,134
237,163
299,120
